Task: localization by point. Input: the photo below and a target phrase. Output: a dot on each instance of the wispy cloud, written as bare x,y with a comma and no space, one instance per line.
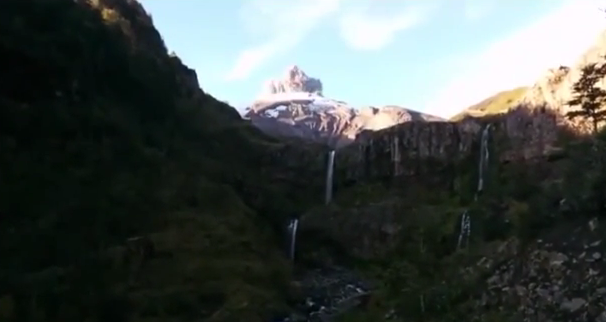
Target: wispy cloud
476,9
362,30
558,38
283,23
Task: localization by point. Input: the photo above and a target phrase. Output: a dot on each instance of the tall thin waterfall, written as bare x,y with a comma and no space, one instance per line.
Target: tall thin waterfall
465,230
329,175
292,229
484,158
294,223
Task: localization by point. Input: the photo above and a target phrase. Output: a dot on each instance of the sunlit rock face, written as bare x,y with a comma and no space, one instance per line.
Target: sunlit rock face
554,89
521,134
296,106
294,80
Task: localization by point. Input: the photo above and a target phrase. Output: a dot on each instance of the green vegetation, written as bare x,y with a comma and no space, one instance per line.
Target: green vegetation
425,278
589,97
105,138
498,103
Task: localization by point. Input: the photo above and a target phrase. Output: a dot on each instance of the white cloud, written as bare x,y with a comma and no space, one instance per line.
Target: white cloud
558,38
283,23
363,31
251,58
476,9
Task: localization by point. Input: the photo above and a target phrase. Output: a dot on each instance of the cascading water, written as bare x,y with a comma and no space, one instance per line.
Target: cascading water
294,223
329,175
292,229
484,157
330,291
465,230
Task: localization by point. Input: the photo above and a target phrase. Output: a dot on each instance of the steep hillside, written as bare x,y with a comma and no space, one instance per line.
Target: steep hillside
470,221
295,106
498,103
127,193
555,89
497,218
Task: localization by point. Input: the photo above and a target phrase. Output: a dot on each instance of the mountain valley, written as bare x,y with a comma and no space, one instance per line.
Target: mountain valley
129,194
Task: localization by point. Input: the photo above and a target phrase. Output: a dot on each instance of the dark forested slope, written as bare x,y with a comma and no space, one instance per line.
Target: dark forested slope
125,191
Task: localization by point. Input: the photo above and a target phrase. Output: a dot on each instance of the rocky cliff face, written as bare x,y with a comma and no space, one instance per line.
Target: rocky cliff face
295,80
403,192
295,106
416,154
554,89
407,201
521,134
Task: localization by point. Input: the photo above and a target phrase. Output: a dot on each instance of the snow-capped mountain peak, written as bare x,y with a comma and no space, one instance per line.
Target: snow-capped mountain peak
294,80
296,106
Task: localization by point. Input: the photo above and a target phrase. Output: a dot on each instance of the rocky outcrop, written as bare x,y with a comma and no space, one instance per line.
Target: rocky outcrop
295,107
295,81
555,88
559,277
520,134
386,205
418,155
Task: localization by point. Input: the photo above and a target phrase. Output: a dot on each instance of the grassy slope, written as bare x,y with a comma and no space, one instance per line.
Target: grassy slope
498,103
103,138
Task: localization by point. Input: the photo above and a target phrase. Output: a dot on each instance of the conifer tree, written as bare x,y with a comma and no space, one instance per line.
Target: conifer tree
589,98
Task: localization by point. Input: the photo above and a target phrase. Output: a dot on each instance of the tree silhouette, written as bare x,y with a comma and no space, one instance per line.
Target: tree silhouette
588,97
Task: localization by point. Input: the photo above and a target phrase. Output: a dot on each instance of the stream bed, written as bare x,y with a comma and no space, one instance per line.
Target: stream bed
327,293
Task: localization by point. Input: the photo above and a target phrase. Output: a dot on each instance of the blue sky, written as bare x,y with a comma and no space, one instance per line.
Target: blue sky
436,56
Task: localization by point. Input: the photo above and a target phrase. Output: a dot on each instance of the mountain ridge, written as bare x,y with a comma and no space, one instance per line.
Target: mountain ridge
498,103
295,106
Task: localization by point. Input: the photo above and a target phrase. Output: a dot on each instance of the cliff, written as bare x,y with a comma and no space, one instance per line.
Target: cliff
409,148
420,156
533,249
555,89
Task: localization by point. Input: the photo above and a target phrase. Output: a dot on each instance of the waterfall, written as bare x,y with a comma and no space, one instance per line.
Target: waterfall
329,175
483,161
294,223
292,228
465,230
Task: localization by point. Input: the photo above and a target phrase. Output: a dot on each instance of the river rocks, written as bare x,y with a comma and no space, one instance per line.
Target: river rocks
327,293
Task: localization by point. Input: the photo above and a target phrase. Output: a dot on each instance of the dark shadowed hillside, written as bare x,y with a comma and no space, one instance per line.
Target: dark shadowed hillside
126,191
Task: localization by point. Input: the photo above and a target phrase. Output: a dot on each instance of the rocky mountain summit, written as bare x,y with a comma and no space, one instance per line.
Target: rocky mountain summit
295,106
554,89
